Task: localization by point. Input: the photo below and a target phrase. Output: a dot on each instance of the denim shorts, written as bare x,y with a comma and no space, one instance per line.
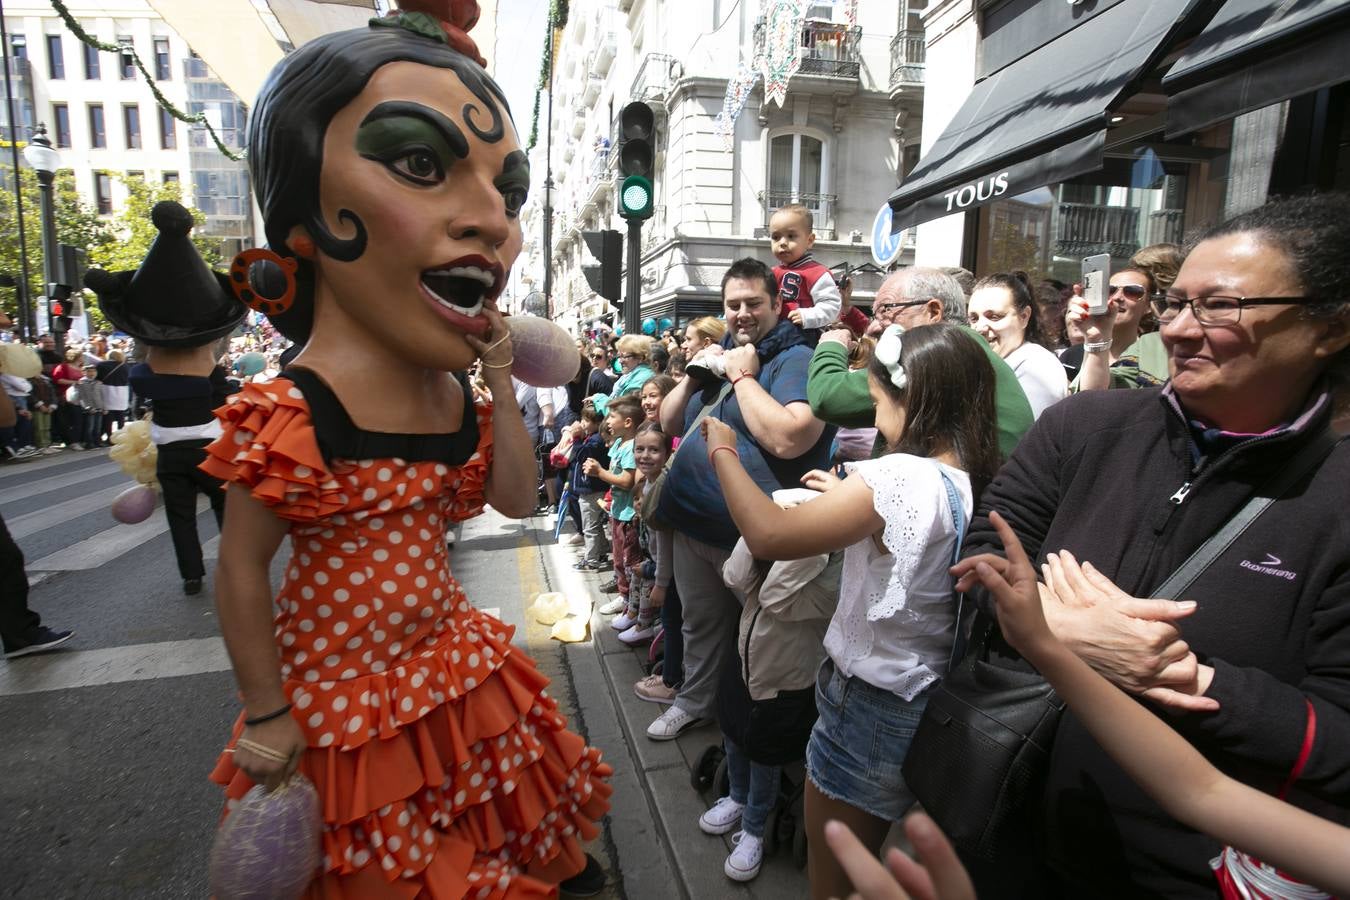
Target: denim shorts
859,742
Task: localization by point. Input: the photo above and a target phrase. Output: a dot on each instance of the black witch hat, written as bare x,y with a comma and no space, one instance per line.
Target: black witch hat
174,299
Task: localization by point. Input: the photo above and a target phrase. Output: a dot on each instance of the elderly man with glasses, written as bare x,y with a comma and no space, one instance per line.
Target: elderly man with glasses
910,298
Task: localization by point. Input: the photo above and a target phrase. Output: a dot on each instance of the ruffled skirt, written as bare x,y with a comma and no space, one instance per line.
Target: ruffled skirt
445,785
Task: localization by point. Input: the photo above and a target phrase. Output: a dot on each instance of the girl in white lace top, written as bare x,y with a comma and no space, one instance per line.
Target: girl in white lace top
890,636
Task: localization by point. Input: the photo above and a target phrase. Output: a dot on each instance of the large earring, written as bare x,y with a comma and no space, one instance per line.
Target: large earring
243,287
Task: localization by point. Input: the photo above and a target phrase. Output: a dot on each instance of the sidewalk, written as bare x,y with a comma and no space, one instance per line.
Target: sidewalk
654,816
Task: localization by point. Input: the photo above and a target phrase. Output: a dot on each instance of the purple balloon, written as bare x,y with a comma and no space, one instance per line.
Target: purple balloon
134,505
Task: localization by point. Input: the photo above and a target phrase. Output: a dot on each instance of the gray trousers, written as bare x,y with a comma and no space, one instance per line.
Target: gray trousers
594,526
711,613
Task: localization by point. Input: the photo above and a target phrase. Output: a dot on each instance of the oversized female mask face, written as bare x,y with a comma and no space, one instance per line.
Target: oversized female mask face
437,180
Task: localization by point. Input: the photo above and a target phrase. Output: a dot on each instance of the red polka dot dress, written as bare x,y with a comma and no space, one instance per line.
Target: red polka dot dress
443,767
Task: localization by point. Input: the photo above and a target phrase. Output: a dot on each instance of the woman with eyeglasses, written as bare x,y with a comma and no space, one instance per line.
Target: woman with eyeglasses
1001,310
1121,347
1129,484
635,364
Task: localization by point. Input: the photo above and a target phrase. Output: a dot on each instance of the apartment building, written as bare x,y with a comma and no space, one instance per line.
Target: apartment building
842,140
103,118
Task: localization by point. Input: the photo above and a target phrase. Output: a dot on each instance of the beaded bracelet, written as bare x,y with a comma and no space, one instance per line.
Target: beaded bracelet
277,714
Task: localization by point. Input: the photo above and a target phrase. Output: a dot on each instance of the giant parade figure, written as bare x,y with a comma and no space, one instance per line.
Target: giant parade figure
391,180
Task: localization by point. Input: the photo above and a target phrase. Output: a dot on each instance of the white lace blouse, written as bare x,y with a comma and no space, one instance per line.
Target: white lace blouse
895,621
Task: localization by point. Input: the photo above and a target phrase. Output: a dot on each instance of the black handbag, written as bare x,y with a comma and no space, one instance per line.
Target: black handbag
982,749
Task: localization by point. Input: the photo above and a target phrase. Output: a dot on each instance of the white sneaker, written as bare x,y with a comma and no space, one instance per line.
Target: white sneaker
618,604
707,366
671,724
724,816
623,621
746,857
577,540
637,633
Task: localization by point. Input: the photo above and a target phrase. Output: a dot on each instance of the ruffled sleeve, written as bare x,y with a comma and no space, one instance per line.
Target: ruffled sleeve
268,445
469,500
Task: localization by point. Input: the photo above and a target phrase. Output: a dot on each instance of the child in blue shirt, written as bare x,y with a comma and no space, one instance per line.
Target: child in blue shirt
622,420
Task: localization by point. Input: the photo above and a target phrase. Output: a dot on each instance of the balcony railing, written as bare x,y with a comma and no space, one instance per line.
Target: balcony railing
655,77
827,49
1166,226
821,206
1085,229
909,54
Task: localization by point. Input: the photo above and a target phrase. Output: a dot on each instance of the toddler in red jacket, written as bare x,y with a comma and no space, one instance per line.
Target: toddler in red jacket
810,297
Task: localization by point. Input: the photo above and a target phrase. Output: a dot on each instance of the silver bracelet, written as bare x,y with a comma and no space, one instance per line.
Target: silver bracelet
1096,346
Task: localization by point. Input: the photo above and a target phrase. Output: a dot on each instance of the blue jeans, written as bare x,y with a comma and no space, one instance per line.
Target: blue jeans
754,786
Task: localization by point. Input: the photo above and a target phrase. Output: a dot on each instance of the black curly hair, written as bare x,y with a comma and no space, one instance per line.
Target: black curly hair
1313,232
290,119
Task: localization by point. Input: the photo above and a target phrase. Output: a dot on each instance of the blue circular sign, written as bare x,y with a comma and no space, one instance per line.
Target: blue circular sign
885,246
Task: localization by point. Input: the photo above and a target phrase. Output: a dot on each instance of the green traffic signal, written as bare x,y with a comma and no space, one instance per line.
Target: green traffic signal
635,198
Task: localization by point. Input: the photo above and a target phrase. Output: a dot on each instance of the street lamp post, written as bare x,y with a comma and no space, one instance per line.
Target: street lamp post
27,327
45,161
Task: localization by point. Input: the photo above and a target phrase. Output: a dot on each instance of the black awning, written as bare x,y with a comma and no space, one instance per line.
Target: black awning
1041,119
1255,53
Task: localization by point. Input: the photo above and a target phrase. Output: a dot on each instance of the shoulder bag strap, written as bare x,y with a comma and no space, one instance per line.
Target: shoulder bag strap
707,408
702,413
1303,462
959,520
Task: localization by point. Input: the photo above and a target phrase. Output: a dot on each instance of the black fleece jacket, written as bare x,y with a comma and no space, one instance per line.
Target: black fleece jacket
1100,475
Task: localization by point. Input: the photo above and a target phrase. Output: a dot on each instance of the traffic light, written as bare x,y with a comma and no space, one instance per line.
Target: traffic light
74,263
637,160
604,279
60,307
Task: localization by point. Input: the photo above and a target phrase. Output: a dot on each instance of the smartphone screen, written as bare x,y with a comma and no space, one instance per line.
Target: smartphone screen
1096,274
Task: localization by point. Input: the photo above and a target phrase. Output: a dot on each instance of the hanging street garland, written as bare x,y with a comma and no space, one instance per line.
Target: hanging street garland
557,19
782,46
164,103
739,89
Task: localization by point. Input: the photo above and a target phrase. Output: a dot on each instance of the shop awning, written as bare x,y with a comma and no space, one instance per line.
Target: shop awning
1255,53
1041,119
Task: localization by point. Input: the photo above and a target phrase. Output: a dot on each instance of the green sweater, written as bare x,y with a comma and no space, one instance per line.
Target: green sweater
840,396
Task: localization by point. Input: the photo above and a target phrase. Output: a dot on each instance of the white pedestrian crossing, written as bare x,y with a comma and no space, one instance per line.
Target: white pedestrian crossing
106,546
97,503
111,665
56,482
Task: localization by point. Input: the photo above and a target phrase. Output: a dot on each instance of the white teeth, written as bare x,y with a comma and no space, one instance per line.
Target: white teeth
470,311
480,275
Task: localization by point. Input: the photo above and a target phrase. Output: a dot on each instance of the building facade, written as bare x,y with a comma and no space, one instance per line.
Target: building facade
1058,131
104,120
844,137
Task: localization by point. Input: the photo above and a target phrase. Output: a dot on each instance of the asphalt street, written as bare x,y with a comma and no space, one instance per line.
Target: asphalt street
107,744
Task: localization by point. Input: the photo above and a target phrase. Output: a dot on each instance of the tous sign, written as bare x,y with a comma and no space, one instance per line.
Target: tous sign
980,191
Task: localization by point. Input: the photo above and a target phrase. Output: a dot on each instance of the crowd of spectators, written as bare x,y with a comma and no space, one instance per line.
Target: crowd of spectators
787,499
792,554
82,396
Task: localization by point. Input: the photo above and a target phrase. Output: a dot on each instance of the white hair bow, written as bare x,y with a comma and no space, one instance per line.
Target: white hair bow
888,352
